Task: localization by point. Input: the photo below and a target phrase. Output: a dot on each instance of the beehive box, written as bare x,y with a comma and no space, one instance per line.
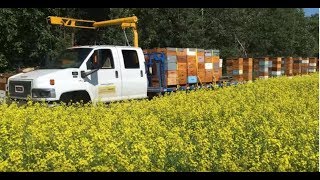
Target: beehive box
247,69
276,66
216,67
192,65
297,62
264,68
229,62
304,65
288,62
208,66
182,65
270,67
283,67
237,72
255,73
312,65
4,80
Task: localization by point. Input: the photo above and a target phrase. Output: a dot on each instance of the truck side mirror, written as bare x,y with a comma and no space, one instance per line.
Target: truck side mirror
83,74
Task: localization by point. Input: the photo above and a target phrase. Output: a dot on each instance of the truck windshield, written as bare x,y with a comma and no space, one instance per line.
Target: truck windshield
69,58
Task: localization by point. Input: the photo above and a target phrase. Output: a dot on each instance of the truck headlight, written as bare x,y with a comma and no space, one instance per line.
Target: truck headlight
43,93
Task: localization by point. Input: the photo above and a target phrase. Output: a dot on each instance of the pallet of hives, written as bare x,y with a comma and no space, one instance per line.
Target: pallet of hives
297,61
264,68
201,65
209,76
217,67
255,69
170,63
208,65
288,62
192,65
276,66
237,72
247,69
202,76
304,65
208,56
229,69
168,51
171,77
312,64
200,55
283,67
182,72
182,65
4,80
215,52
270,67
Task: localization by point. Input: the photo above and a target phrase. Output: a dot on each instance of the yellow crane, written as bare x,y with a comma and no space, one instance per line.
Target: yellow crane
127,22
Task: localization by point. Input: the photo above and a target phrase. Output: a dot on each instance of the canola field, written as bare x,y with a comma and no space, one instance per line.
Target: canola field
268,125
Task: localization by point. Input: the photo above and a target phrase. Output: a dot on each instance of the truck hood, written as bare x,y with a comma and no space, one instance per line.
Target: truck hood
43,73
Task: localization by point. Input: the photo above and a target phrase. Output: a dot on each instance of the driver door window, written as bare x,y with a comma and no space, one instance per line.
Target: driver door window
101,58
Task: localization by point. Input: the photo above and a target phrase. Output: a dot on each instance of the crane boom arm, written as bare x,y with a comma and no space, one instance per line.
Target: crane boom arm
128,22
70,22
118,21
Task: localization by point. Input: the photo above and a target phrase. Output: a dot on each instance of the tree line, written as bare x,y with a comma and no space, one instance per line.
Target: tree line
27,39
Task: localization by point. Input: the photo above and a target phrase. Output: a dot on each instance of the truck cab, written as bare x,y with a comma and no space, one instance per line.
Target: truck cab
89,73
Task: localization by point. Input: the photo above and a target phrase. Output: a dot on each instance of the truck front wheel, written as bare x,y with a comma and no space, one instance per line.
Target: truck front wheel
75,96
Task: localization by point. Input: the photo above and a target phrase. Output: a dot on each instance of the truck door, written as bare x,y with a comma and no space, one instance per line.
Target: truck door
134,80
108,77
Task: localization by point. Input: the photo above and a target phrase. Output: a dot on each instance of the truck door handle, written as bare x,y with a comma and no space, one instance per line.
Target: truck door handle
141,73
117,75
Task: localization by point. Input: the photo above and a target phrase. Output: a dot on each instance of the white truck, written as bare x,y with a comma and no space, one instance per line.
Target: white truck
89,73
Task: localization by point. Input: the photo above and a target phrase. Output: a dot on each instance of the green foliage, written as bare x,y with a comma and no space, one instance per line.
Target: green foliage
268,125
26,38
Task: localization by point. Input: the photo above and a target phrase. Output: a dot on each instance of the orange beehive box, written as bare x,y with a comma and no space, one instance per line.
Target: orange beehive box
172,81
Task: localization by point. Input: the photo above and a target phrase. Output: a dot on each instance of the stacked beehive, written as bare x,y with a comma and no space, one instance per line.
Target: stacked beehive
288,66
217,64
283,66
208,65
201,65
220,67
270,67
312,65
192,65
229,62
4,80
170,65
247,69
153,81
297,66
304,65
237,66
255,68
276,66
182,66
264,68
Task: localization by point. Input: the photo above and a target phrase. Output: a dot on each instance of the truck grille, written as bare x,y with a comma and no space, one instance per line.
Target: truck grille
19,89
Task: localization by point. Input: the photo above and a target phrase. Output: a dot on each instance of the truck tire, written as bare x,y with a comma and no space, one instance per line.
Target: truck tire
75,96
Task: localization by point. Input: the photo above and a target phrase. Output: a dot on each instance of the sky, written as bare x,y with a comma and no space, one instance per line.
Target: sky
310,11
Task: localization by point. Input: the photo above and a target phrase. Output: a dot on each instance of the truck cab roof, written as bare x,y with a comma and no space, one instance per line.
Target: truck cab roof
103,46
